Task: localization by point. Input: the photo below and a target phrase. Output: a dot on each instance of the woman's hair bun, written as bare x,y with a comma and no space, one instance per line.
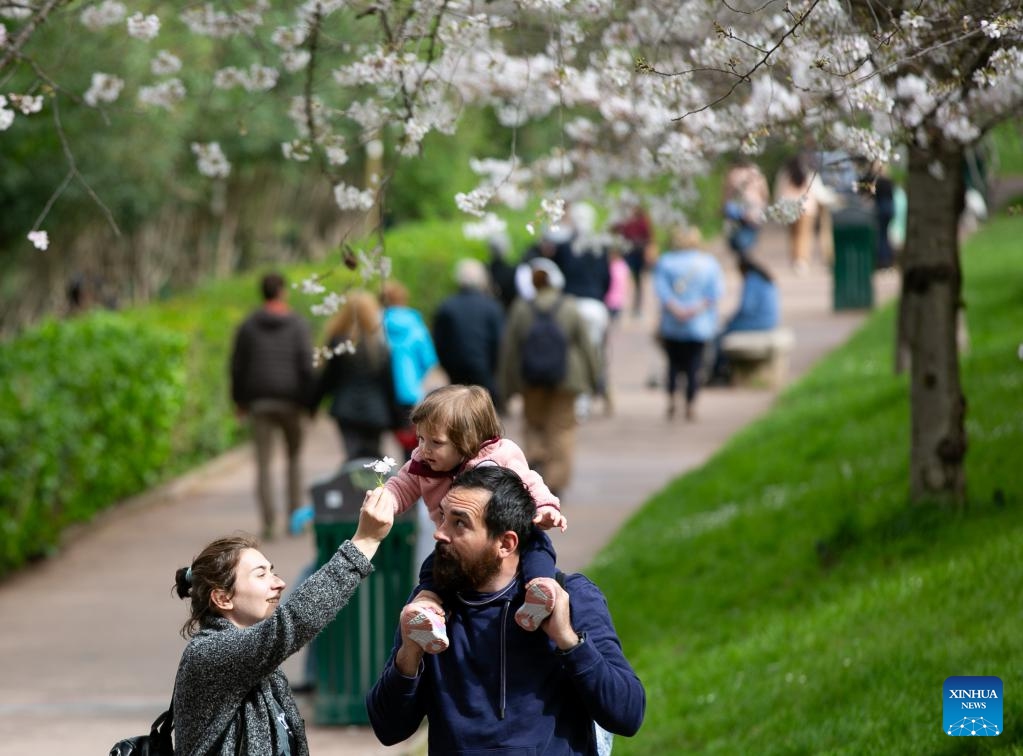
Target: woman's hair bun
182,582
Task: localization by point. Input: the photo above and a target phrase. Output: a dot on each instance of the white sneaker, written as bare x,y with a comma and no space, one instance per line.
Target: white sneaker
426,628
538,605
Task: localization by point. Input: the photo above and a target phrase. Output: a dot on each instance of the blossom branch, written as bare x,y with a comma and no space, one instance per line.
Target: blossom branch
758,65
13,49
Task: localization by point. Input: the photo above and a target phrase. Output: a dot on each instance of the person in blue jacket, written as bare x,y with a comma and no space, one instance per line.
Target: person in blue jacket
498,689
758,311
413,356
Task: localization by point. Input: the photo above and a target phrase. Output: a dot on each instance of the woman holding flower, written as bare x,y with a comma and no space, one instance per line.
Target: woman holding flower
230,695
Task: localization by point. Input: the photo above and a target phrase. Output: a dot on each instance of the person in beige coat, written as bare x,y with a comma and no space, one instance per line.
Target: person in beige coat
548,411
799,182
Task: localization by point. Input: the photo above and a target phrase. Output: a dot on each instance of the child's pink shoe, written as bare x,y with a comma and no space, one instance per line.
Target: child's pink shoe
538,605
426,628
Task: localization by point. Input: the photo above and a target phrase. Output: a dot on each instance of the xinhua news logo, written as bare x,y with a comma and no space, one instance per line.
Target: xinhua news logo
973,706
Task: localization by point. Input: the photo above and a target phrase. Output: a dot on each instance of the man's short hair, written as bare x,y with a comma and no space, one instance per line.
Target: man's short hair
511,505
272,285
470,273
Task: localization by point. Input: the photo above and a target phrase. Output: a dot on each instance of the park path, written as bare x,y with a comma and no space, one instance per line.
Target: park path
89,638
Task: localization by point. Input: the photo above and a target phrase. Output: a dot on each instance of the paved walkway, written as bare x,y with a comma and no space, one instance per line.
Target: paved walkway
90,638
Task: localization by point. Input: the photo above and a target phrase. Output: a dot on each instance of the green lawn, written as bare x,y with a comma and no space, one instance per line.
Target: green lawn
787,599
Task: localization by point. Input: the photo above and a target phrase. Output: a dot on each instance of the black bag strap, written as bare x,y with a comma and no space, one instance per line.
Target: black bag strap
241,745
163,724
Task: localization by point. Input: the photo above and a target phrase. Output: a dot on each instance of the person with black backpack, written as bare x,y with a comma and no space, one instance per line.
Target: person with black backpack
548,358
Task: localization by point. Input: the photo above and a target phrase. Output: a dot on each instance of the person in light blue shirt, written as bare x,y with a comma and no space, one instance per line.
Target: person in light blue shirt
688,283
758,311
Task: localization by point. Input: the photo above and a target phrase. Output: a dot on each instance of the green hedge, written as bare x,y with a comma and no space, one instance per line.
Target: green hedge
87,409
98,408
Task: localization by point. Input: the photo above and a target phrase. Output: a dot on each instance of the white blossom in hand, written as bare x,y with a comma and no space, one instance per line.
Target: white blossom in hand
381,467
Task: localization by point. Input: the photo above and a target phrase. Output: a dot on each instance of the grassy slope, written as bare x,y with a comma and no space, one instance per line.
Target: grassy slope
785,598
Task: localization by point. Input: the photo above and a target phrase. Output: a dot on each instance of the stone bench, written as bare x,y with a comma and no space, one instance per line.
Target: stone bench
759,358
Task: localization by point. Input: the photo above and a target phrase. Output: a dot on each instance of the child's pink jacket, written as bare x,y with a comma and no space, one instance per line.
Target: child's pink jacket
415,479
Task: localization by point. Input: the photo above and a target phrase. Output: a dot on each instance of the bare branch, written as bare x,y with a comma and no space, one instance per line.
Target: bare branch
73,173
751,12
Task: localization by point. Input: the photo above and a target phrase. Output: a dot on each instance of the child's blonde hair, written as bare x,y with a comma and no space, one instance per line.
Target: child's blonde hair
465,413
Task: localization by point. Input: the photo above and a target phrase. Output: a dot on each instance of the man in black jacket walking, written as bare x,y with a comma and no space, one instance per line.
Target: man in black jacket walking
467,330
271,377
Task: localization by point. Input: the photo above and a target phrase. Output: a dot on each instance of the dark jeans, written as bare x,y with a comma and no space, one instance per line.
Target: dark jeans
720,370
687,357
360,441
885,255
635,258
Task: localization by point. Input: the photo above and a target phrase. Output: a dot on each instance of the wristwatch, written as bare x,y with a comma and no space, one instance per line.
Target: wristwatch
581,640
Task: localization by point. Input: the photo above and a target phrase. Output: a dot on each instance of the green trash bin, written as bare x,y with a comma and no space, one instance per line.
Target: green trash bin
351,650
855,237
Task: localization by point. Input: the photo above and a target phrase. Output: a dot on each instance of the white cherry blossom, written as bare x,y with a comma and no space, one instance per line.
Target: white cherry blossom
105,88
106,13
164,95
39,239
211,159
381,467
144,27
165,63
27,104
352,198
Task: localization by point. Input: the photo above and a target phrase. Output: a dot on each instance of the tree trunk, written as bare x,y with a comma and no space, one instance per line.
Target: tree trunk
931,289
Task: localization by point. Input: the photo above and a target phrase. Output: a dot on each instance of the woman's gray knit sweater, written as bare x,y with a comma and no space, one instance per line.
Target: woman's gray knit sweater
222,663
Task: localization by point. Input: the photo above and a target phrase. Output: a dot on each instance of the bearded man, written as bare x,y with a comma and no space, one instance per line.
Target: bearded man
497,688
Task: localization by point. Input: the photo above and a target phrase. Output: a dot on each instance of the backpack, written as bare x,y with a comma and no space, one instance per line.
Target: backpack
544,349
156,743
159,743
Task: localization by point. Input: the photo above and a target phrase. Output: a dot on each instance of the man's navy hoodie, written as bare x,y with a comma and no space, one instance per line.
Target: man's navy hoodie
505,691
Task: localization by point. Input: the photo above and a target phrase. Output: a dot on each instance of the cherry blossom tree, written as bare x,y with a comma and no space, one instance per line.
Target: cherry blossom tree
933,77
640,92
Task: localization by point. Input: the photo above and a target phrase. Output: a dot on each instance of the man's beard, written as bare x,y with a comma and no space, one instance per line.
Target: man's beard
454,573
